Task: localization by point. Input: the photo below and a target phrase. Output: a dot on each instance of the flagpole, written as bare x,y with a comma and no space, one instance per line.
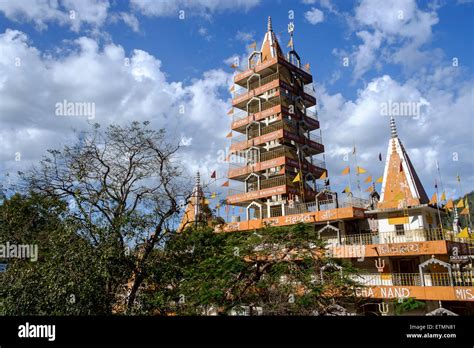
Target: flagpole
437,207
357,170
468,218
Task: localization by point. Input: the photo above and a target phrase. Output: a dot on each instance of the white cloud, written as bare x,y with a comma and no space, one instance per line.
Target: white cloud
63,12
167,8
392,31
314,16
244,36
194,113
433,136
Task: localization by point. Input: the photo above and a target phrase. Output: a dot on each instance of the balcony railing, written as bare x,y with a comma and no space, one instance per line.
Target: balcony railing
415,279
295,208
415,235
309,89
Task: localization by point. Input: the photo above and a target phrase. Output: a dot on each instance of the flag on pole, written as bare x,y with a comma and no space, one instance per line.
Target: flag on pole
297,178
449,205
346,190
230,112
232,88
226,184
380,180
346,171
229,135
460,204
361,170
369,179
369,189
290,43
324,175
443,196
465,211
463,234
213,195
434,199
253,45
306,66
234,66
213,175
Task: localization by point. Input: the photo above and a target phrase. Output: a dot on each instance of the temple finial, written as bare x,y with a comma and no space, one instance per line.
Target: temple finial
269,26
198,179
393,128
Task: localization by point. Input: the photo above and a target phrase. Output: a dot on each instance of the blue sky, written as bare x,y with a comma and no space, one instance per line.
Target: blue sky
176,62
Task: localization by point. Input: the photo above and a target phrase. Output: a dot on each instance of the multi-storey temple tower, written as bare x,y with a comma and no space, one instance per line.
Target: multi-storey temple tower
275,151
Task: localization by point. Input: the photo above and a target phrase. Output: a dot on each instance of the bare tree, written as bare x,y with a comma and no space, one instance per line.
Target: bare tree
125,188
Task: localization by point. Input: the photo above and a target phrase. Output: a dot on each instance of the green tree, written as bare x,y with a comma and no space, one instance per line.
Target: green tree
124,186
68,276
276,269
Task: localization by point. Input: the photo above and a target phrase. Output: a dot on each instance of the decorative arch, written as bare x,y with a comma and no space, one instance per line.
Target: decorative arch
331,228
294,57
250,151
247,179
250,125
252,204
253,99
330,265
431,261
251,62
252,77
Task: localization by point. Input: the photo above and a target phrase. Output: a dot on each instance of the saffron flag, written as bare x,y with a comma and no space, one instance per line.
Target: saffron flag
434,199
234,66
206,201
467,203
297,178
230,112
213,195
465,211
369,179
369,189
306,66
380,180
449,205
213,175
346,171
361,170
324,175
290,43
463,234
226,184
229,135
253,45
346,190
231,89
443,196
460,204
